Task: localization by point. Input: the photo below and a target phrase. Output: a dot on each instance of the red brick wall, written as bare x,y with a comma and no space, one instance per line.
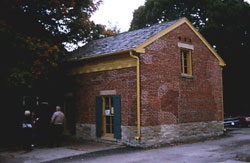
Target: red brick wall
166,96
89,85
169,98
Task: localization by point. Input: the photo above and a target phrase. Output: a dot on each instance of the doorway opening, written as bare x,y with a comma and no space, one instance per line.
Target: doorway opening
108,116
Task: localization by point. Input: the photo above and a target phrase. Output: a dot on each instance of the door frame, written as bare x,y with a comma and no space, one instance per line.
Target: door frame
105,134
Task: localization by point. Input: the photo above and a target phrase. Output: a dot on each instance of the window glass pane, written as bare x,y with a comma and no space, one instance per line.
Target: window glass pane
108,124
112,125
185,62
106,103
108,115
181,61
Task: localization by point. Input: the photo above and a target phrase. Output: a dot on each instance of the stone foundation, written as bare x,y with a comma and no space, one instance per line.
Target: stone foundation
85,131
153,136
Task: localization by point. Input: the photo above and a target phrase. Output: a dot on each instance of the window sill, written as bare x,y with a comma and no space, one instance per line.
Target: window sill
186,76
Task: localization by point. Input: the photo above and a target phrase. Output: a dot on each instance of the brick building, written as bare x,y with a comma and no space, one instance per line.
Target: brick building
152,86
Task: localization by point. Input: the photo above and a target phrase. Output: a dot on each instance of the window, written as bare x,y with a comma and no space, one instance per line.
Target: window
186,63
108,116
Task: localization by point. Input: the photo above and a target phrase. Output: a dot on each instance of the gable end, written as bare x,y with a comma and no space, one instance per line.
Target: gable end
141,48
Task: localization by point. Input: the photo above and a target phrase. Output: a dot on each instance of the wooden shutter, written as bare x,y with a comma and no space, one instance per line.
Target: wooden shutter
98,116
117,116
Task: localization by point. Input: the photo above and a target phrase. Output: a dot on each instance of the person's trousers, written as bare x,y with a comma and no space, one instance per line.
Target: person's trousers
57,134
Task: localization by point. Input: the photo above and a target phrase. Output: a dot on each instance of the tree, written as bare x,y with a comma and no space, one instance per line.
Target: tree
224,23
33,35
155,11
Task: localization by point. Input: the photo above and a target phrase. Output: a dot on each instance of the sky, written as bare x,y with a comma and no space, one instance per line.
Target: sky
118,13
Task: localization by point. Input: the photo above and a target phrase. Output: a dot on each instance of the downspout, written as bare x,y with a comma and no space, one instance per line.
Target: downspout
138,94
222,99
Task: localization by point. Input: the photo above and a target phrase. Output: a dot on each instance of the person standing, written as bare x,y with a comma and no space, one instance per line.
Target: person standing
57,120
27,130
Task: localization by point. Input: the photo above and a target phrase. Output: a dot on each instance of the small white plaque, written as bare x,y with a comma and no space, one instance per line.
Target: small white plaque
107,112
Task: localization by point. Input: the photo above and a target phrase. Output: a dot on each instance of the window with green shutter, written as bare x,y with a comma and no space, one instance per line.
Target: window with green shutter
108,116
117,116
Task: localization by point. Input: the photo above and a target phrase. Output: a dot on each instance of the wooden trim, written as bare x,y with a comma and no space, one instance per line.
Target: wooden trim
189,62
141,48
117,62
104,118
221,61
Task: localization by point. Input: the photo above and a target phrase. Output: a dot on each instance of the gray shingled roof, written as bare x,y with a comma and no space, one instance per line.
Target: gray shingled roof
122,41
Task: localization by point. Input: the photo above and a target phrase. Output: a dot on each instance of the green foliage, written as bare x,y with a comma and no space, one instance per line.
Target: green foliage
226,26
155,11
212,18
32,34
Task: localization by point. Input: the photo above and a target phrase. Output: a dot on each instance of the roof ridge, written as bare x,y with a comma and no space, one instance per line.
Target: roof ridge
155,24
119,42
